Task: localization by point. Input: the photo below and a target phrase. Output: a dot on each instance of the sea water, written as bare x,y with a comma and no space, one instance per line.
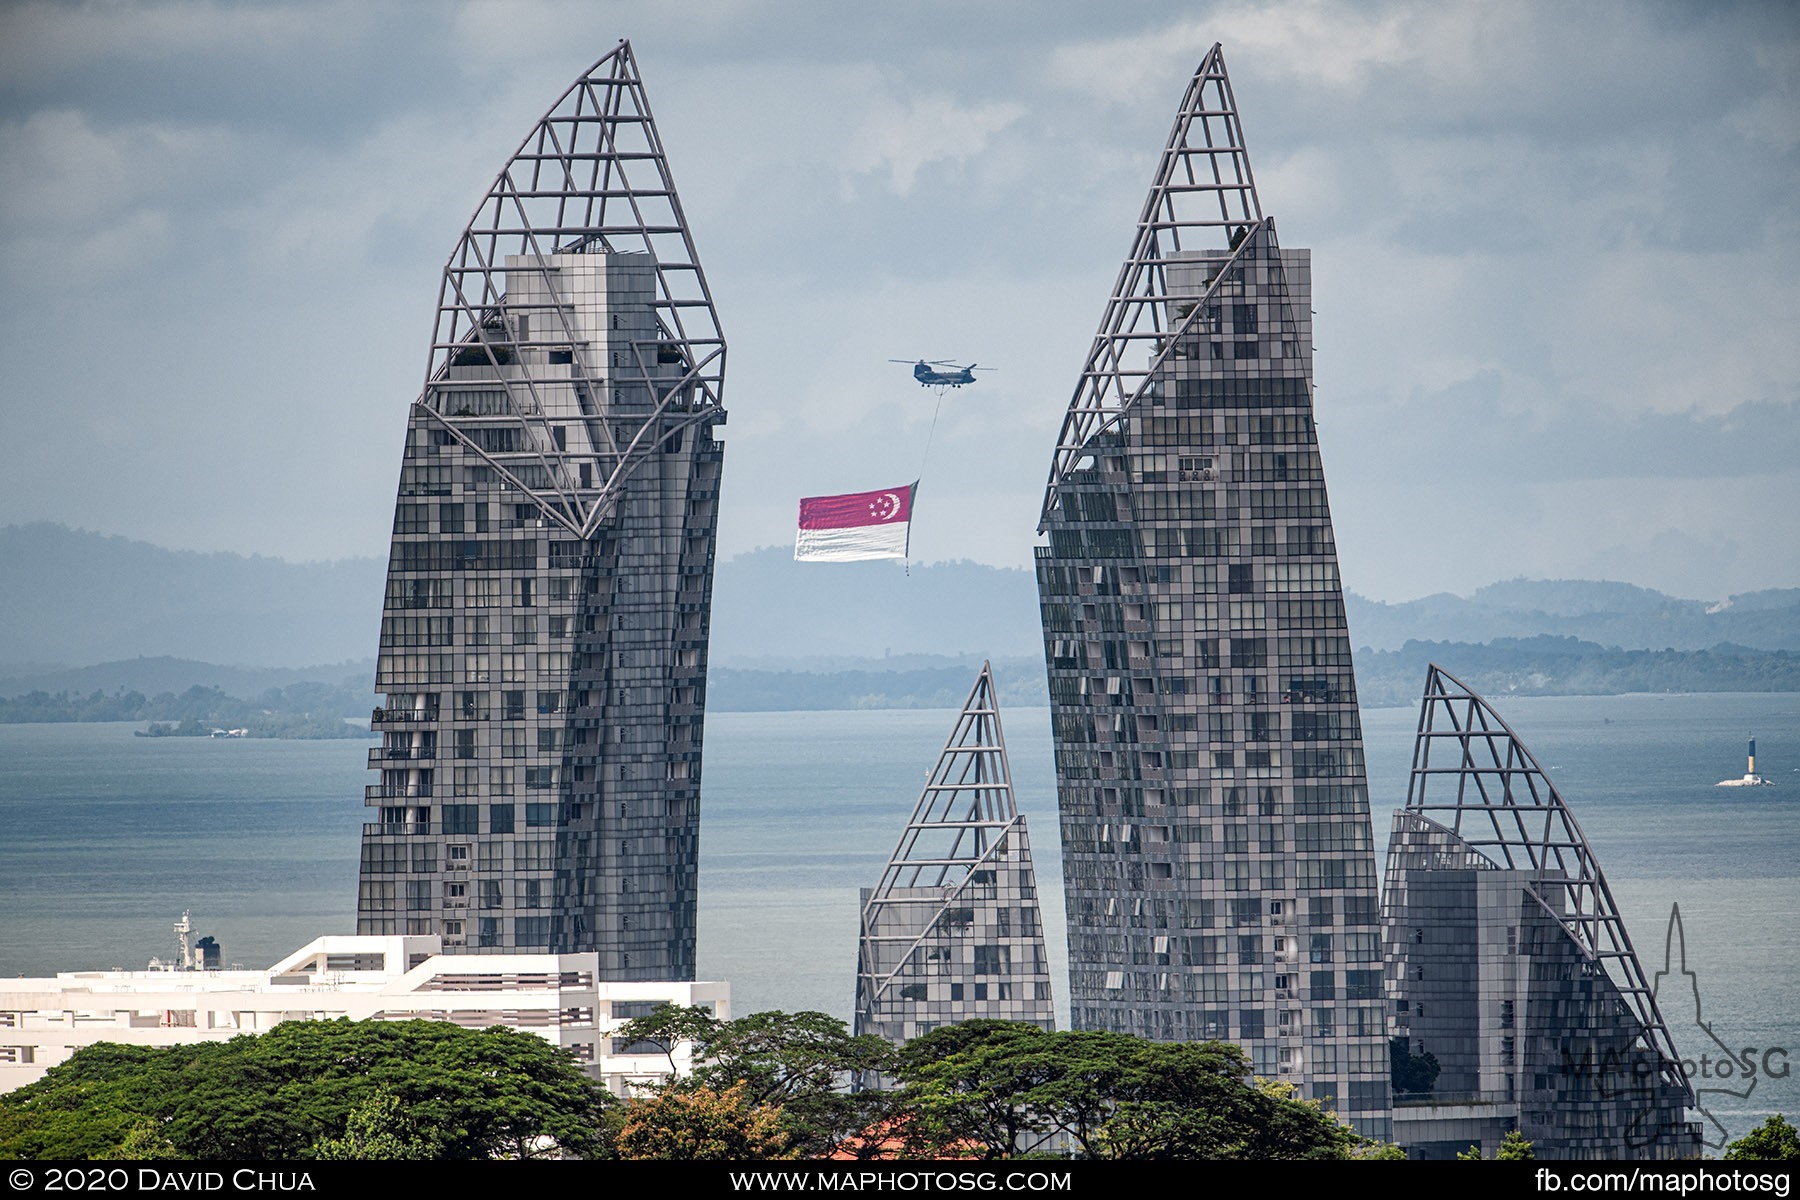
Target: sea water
106,838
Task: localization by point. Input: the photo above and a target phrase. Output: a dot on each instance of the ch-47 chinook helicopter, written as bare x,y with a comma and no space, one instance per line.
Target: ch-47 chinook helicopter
942,373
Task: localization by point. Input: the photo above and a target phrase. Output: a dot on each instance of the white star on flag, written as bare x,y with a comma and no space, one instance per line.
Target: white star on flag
856,525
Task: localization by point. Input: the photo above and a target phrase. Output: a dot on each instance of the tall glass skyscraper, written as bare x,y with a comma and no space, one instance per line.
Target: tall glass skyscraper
1217,861
544,637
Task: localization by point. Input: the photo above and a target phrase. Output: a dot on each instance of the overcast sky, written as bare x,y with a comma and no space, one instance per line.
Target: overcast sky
1556,252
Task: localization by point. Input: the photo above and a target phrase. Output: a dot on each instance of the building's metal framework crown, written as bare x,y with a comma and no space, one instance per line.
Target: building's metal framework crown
1203,207
960,823
1472,777
591,177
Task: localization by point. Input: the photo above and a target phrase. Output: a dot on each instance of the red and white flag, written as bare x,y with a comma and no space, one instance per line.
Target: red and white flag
855,526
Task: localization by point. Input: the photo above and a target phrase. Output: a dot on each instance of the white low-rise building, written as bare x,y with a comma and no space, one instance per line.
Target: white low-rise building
556,996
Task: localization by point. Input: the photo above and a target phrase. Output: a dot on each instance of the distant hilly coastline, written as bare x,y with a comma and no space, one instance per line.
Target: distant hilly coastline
299,710
83,613
69,598
1553,666
1602,613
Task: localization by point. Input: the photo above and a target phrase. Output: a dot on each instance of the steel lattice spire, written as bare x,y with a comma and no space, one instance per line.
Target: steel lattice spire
1202,207
1502,805
591,177
952,931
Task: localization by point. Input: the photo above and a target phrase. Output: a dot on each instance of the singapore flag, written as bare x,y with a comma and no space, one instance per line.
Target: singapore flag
856,526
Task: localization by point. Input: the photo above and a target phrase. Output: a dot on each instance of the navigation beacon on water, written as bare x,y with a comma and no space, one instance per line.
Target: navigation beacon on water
1751,778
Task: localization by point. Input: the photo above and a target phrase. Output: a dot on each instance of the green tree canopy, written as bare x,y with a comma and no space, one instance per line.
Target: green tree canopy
494,1093
800,1064
1002,1089
1773,1141
378,1128
1514,1148
696,1123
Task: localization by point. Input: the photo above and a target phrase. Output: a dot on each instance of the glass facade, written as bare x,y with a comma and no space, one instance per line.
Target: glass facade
1509,968
1218,867
544,635
953,930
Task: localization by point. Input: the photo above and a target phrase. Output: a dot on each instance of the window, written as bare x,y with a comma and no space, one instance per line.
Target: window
459,818
500,818
540,816
411,518
418,593
1205,951
631,1010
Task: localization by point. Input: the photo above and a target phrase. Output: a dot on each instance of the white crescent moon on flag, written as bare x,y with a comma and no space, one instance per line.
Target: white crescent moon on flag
892,503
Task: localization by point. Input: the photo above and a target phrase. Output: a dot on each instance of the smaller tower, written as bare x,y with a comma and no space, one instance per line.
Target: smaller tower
952,932
1515,997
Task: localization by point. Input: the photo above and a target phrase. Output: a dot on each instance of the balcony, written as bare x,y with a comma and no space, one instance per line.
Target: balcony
377,791
402,829
403,715
380,756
